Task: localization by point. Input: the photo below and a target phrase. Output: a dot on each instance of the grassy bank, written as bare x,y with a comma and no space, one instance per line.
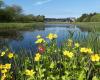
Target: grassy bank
56,22
20,26
89,25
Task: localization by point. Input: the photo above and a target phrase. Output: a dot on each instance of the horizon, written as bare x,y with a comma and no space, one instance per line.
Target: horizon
57,8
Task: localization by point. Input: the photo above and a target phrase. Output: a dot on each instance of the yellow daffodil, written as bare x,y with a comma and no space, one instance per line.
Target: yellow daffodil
10,55
68,54
77,44
7,66
95,57
38,36
3,53
52,36
37,57
29,72
40,40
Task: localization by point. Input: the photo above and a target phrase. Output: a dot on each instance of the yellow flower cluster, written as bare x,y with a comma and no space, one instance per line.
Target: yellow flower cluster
86,50
10,55
40,40
6,66
95,57
52,36
29,72
37,57
68,54
4,69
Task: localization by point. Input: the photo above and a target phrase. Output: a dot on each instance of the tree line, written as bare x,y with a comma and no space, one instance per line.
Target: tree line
14,13
92,17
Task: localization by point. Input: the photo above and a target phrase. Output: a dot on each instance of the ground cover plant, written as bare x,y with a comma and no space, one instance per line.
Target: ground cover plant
73,60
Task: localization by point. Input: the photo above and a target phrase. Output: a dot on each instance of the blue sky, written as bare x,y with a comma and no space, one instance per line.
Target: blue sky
57,8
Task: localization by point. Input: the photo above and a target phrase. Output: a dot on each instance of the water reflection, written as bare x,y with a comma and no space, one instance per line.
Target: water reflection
25,39
11,34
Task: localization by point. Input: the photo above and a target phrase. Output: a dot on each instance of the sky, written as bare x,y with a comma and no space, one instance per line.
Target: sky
57,8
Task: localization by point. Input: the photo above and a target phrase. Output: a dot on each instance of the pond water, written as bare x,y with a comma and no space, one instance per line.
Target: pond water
26,39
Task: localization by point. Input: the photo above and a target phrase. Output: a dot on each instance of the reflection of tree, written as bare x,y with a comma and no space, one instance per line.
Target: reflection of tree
10,34
7,36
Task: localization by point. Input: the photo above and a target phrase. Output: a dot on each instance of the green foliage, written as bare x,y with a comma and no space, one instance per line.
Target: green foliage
95,18
92,17
21,26
14,13
88,26
53,64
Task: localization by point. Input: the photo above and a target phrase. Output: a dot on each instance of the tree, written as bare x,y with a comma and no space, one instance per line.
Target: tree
1,4
86,17
14,14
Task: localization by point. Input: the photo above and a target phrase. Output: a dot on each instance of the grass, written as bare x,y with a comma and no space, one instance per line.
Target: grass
57,22
86,26
20,26
74,60
90,26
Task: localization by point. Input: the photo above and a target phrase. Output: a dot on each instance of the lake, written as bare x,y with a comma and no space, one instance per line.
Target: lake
17,40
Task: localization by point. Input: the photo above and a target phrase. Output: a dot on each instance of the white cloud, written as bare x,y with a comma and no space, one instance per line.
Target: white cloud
42,2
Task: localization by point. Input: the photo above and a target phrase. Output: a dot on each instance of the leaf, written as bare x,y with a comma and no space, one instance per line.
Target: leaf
95,78
81,76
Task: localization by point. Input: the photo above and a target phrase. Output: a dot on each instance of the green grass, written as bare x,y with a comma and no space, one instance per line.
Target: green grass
57,22
20,26
90,26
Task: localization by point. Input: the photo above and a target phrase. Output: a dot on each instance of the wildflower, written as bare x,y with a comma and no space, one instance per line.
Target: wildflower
52,36
41,48
3,77
4,71
83,50
89,50
95,57
29,72
68,54
86,50
7,66
77,45
40,40
38,36
10,55
3,53
37,57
